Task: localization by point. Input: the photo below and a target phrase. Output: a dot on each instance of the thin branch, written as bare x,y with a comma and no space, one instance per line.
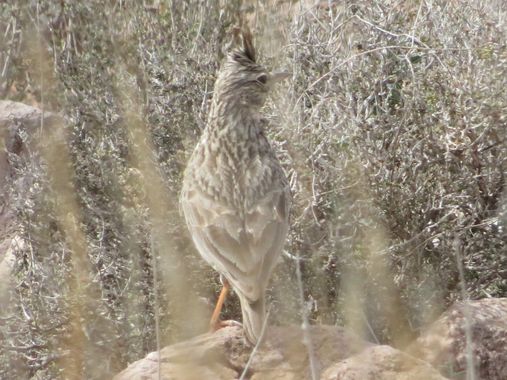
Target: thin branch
257,345
470,369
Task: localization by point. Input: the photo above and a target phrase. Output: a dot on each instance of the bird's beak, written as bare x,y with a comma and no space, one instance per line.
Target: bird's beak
279,76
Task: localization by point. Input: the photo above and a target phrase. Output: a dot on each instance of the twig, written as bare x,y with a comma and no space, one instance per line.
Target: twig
305,326
369,327
41,72
155,303
392,34
257,345
470,370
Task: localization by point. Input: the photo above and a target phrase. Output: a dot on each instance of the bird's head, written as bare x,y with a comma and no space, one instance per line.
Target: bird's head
241,79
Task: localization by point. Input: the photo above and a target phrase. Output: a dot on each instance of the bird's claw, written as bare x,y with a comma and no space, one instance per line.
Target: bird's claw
221,324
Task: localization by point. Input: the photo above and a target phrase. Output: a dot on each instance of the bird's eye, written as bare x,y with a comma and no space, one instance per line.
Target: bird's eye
263,78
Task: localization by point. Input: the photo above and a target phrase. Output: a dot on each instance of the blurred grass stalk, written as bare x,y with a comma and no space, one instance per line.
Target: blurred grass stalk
54,149
185,312
55,152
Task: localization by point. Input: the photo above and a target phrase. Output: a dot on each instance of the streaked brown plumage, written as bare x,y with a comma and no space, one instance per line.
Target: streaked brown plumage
235,196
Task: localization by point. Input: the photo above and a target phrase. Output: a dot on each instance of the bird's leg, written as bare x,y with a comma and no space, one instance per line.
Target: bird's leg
215,317
215,323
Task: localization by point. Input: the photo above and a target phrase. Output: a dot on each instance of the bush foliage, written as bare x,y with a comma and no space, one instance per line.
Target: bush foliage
392,132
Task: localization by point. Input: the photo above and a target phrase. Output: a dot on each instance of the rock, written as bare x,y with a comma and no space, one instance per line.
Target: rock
224,355
8,247
12,113
381,363
13,117
444,343
340,355
19,123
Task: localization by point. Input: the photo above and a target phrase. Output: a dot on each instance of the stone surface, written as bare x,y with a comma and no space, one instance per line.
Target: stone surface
439,354
20,128
8,247
444,344
18,122
283,356
381,363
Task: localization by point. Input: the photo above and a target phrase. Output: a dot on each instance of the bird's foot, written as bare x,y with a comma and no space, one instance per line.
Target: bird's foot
221,324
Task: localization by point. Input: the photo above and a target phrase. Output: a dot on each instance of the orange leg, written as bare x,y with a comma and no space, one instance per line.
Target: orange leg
215,323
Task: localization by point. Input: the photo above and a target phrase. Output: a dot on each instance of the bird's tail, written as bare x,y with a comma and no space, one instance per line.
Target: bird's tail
253,317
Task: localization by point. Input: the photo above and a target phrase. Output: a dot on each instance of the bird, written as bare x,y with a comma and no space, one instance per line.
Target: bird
235,196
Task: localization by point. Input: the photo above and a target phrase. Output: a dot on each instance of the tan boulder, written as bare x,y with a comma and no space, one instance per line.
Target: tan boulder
382,363
223,355
444,343
340,355
19,124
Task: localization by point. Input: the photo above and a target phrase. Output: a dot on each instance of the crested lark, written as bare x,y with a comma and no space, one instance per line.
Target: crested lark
235,196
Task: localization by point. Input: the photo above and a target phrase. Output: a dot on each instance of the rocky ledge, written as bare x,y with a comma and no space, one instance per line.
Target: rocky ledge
439,353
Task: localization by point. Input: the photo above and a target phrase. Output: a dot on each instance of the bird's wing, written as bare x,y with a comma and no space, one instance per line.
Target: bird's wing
244,248
267,225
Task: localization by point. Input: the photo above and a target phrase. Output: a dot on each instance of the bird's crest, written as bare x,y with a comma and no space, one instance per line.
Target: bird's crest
242,39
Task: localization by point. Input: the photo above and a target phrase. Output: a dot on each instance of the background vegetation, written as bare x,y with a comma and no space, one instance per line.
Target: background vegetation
392,131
